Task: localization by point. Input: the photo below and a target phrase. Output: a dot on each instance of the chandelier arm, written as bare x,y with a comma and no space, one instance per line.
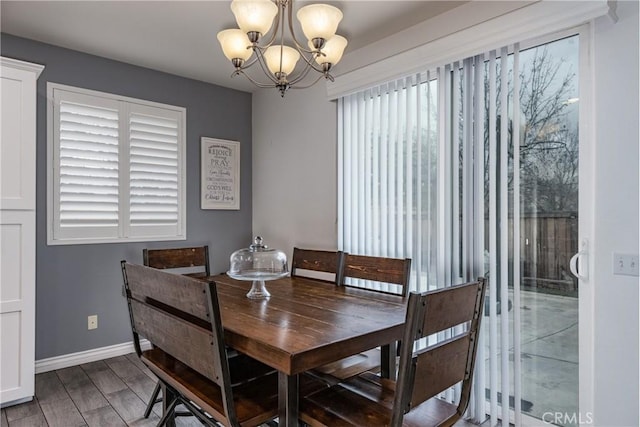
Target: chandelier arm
311,84
282,42
310,62
302,74
308,68
255,82
249,64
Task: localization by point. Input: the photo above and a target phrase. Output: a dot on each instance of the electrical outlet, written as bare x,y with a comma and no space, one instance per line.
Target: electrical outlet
92,322
626,264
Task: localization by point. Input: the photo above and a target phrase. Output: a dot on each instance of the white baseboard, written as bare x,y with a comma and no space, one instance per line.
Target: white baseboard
74,359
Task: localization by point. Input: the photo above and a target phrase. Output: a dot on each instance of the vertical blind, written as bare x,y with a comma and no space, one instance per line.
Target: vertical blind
425,172
117,168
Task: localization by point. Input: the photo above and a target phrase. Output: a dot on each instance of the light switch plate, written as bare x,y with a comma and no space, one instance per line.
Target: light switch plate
626,264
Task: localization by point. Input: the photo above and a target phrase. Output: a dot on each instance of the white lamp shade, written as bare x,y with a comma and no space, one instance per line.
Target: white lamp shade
290,57
234,44
254,15
319,20
333,50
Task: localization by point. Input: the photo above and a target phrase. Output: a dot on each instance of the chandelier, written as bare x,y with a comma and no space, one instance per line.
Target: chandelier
246,46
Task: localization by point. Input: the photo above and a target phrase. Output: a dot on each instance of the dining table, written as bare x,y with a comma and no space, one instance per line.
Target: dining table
307,323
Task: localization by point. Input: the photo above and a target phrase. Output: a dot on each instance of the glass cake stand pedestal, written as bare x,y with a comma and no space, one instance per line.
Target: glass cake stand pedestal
258,287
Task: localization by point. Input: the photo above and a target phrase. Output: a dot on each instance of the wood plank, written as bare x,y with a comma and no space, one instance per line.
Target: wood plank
49,388
133,358
438,312
37,420
379,269
24,410
175,290
123,367
107,381
74,376
177,257
96,366
314,260
127,404
105,416
141,385
86,396
62,413
439,368
188,422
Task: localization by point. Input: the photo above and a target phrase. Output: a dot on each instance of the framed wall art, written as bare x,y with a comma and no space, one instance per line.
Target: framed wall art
220,174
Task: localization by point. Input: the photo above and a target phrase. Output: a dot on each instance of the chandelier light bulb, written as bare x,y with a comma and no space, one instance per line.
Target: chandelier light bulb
234,44
333,50
289,55
254,15
319,21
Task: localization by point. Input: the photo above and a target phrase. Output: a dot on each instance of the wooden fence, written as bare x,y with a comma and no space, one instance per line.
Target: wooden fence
548,241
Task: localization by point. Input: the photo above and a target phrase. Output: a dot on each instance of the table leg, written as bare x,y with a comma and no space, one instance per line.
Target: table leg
388,361
288,400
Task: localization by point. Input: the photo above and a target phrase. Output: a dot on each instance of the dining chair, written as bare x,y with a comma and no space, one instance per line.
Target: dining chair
391,271
176,259
180,316
195,258
412,401
317,261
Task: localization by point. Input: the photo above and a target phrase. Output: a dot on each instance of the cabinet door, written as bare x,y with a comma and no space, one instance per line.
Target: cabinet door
17,304
18,139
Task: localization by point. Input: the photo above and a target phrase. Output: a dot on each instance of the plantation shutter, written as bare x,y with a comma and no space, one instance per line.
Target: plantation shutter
88,167
154,172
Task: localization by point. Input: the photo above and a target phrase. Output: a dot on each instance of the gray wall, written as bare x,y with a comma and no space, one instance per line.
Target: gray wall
74,281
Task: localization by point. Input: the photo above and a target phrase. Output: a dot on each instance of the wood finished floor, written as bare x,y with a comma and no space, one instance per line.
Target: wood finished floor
107,393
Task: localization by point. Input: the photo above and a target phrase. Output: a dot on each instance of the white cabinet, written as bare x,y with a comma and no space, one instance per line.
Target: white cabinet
17,229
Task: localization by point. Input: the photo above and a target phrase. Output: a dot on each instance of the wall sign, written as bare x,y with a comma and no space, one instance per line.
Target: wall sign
220,173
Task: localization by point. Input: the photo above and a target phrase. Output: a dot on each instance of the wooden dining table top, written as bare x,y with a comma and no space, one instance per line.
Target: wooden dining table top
306,323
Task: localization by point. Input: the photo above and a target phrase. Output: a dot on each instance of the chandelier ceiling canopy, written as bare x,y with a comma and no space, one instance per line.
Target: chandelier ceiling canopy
252,43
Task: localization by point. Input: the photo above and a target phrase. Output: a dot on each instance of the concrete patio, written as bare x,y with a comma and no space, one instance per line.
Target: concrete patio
549,353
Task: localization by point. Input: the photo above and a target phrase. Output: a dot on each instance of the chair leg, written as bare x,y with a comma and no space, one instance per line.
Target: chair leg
154,399
168,412
170,399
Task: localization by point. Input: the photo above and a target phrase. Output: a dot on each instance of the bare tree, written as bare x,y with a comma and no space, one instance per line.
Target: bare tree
548,139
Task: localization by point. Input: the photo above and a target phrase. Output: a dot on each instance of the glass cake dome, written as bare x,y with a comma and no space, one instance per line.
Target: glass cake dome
258,263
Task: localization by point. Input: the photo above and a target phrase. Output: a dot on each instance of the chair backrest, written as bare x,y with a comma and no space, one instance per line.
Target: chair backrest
316,260
428,372
181,316
380,269
179,258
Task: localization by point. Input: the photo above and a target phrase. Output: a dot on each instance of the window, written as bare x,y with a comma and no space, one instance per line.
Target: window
116,168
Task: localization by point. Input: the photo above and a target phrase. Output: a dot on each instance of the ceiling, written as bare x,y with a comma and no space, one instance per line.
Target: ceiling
179,37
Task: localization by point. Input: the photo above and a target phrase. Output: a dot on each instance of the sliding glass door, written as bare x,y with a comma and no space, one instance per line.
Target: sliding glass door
472,169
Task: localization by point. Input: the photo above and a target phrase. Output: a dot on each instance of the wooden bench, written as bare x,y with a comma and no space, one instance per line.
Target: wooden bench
180,316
